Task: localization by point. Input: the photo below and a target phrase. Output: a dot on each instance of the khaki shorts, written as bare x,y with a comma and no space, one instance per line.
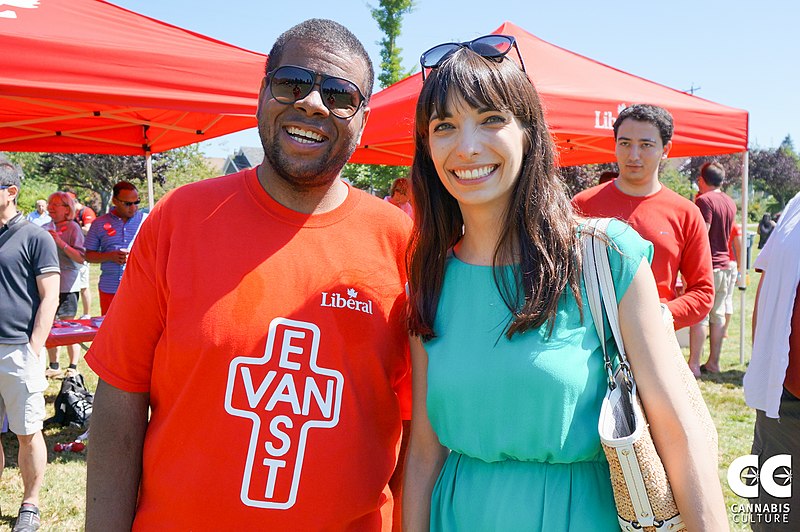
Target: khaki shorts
22,386
722,286
732,287
83,276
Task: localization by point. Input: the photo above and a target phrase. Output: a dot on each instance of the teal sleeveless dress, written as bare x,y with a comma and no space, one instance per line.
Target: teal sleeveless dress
520,416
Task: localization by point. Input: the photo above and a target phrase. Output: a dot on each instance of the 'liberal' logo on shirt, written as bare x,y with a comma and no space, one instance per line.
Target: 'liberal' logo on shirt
351,301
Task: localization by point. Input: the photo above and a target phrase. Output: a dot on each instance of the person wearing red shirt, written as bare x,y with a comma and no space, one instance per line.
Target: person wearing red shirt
719,213
251,364
674,225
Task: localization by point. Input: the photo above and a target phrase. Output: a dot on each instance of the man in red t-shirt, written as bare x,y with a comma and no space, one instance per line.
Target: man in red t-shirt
719,213
674,225
267,336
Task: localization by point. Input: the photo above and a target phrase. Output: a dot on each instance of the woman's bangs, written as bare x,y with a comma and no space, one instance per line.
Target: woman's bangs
480,82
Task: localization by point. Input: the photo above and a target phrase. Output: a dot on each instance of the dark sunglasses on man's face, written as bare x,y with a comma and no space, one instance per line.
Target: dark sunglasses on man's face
488,46
130,203
288,84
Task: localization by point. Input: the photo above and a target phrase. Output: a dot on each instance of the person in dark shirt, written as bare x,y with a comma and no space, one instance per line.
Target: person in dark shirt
719,213
29,286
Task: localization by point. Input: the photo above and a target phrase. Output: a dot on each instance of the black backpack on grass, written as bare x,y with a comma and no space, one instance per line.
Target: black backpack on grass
73,403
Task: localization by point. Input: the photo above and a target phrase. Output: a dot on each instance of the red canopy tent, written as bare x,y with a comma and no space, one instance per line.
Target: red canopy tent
582,98
91,77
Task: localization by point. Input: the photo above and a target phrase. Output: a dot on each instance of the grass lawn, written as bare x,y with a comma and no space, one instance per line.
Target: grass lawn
63,493
725,399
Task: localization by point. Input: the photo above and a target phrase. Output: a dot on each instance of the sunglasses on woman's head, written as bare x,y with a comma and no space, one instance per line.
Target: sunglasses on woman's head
488,46
289,84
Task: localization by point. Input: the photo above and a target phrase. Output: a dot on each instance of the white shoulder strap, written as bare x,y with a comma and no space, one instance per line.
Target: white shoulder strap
607,289
600,284
591,281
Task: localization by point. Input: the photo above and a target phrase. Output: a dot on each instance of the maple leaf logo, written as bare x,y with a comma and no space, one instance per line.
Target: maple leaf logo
351,292
621,107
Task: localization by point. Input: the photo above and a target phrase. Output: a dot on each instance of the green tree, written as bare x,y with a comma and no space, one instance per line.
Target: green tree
578,178
731,163
788,144
676,181
776,171
179,167
390,20
34,186
92,176
377,178
374,178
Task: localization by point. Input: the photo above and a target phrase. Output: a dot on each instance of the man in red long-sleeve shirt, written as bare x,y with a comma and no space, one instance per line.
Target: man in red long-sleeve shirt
675,226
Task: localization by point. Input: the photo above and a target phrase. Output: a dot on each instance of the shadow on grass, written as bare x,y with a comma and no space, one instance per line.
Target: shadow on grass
731,377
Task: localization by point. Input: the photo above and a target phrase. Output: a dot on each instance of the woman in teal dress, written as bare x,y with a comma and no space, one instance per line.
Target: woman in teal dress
507,368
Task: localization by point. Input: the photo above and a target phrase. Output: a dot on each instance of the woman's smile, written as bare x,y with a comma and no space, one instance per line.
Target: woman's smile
466,174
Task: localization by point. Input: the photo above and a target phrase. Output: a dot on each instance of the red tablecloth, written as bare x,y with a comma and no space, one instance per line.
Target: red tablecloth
67,332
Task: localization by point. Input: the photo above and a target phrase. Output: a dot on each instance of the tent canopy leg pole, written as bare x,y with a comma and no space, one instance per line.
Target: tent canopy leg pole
149,164
742,282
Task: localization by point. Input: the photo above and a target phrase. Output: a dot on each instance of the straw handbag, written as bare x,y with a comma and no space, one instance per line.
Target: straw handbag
642,493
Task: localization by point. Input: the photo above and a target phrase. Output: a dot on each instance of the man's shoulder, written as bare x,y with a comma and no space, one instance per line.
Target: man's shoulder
666,194
205,190
196,198
604,200
382,215
368,201
30,234
729,200
103,218
715,201
591,193
29,229
73,227
99,228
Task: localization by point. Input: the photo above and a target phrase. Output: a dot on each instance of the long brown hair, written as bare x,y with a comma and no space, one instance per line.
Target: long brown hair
538,235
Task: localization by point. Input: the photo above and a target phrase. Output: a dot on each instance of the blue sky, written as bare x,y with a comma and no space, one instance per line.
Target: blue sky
739,53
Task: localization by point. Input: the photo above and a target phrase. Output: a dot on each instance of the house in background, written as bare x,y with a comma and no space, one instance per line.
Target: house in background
216,164
244,158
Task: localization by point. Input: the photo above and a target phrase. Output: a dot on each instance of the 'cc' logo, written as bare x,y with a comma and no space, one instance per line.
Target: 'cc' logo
775,476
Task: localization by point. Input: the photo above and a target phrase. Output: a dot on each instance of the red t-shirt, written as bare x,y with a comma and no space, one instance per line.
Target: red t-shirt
736,231
272,344
719,211
679,236
85,216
